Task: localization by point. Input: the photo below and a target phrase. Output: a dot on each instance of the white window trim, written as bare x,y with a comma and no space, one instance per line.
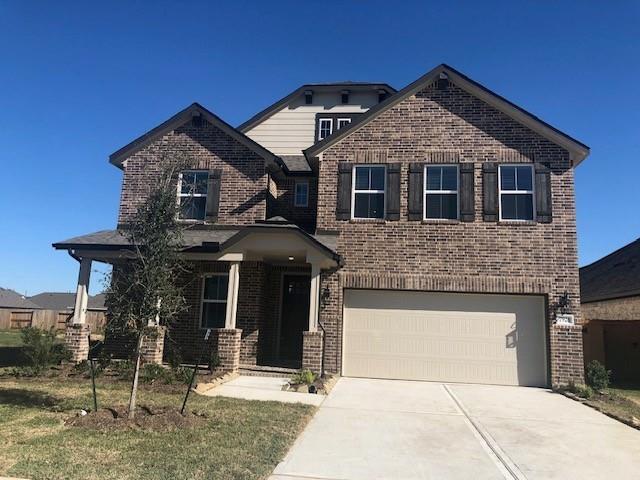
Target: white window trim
330,120
531,192
425,191
205,300
194,195
353,191
295,194
347,120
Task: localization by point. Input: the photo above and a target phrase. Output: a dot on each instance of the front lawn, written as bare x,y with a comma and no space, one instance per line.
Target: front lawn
236,440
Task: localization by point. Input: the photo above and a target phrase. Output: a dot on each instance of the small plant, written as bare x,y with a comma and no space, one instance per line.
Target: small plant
583,391
123,369
152,373
42,349
182,374
25,372
306,377
214,360
598,376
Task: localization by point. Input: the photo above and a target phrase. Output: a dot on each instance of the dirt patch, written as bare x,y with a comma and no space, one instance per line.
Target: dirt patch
147,418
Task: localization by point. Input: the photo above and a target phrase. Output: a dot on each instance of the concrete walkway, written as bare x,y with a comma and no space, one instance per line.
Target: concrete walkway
263,388
387,429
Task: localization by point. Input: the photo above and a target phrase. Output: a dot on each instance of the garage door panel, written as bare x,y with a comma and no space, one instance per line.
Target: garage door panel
445,337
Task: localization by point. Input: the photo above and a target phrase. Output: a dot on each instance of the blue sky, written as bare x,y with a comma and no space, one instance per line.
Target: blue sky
81,79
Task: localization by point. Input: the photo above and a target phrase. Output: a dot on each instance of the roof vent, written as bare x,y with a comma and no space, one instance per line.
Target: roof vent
196,119
382,94
308,97
345,96
443,81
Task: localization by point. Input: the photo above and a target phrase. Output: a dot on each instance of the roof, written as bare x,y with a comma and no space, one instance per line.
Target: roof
196,239
295,164
615,276
65,301
578,150
267,112
180,118
12,299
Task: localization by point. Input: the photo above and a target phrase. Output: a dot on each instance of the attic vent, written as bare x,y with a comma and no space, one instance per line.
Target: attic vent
443,82
382,94
345,96
308,97
196,120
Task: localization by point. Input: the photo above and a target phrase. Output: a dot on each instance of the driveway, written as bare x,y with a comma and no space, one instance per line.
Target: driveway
390,429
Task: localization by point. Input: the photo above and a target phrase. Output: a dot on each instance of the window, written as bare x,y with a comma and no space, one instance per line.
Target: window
441,192
301,194
516,192
192,193
214,300
368,191
325,127
342,122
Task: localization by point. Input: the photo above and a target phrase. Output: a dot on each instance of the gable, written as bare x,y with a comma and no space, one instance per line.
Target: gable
577,150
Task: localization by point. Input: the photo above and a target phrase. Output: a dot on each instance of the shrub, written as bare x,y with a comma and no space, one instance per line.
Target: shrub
306,377
84,368
597,375
42,349
151,373
182,374
214,360
584,391
25,372
123,369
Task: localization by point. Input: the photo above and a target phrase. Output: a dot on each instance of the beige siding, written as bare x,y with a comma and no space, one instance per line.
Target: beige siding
292,129
450,337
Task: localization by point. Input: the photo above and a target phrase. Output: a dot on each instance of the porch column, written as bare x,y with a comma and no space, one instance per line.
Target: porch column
229,338
314,297
77,334
232,295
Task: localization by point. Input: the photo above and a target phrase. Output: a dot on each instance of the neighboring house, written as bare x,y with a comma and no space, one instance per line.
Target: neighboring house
424,234
46,310
610,303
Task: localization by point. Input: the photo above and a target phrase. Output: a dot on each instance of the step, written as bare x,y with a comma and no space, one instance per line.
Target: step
266,371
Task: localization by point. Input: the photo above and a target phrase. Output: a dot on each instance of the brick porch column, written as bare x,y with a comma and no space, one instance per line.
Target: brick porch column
312,351
152,348
77,333
229,340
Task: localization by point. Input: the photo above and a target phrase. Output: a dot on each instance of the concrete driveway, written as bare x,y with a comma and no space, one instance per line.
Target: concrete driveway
391,429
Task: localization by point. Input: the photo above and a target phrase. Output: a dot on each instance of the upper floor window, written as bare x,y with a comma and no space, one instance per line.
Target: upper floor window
368,191
516,192
342,122
441,192
192,194
214,300
301,194
325,127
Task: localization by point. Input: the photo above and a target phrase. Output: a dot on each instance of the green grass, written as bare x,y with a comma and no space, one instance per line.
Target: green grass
10,338
632,392
239,439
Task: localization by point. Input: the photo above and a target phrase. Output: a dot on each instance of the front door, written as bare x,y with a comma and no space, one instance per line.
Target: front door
294,317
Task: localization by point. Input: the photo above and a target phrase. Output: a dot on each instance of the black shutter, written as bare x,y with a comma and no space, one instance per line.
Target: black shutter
467,191
490,191
543,193
343,202
393,191
213,195
416,190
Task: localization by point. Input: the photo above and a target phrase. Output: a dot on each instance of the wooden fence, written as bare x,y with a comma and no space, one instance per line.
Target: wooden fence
19,318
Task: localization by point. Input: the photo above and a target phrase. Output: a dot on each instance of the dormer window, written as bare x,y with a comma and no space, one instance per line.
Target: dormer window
342,122
325,127
192,194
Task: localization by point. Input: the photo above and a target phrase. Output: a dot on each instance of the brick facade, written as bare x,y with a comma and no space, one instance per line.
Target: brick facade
229,340
526,258
312,351
77,340
152,347
281,201
244,176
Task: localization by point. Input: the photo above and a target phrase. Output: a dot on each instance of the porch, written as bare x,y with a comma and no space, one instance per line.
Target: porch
255,289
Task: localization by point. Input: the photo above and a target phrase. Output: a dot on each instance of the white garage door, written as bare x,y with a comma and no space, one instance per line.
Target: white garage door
448,337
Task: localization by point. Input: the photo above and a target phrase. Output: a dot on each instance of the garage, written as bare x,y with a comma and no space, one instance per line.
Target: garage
445,337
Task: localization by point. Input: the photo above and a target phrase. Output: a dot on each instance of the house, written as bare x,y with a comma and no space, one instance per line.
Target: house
46,310
610,304
427,234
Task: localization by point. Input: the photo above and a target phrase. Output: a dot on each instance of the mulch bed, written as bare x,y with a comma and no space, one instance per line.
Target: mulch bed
147,418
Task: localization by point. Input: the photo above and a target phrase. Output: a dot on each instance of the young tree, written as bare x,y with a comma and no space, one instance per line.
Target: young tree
143,292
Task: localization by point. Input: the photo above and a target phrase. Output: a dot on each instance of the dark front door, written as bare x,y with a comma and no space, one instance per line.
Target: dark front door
294,317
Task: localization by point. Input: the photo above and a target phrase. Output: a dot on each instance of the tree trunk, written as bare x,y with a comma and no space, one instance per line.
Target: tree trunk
134,384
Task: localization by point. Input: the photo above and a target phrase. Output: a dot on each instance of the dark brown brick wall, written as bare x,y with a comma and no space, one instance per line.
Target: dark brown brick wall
466,257
244,177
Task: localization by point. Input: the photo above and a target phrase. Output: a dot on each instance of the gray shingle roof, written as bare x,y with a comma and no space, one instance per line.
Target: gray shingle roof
12,299
296,163
65,301
614,276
